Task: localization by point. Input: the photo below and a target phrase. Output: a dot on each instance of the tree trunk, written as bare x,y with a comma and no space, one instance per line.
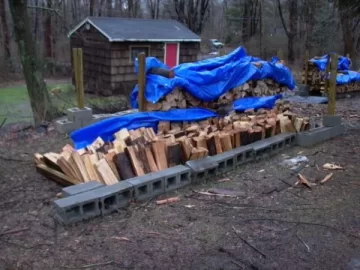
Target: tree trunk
346,25
48,32
293,20
39,97
92,4
6,37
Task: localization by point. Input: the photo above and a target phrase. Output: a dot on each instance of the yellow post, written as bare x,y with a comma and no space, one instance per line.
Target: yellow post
332,84
79,76
327,71
306,63
141,81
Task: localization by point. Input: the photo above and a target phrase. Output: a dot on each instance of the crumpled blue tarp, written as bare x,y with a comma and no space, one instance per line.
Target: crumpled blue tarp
106,128
208,79
321,62
348,77
343,66
242,104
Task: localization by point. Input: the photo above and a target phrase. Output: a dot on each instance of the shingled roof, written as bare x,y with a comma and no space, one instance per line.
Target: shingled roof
120,30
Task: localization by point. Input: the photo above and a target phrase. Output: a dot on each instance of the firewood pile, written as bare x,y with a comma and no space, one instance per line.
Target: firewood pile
138,152
180,99
316,79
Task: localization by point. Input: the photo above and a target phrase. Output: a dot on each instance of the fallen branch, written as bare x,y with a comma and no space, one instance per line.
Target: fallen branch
213,194
246,242
14,231
169,200
326,178
3,122
307,247
88,266
304,223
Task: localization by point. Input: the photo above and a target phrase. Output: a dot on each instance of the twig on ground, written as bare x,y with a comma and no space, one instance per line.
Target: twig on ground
88,265
213,194
250,245
304,223
14,231
3,122
14,159
307,247
237,264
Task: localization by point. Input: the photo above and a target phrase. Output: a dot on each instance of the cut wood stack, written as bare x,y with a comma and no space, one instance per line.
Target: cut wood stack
316,80
181,99
138,152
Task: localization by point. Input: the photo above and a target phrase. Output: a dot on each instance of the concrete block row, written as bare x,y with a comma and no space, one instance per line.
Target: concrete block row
92,199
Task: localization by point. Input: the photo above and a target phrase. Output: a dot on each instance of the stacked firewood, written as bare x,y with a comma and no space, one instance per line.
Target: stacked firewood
138,152
181,99
316,80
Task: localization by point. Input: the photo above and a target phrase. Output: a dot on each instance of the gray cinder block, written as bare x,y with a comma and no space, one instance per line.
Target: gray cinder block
80,188
314,136
78,115
203,169
176,177
226,161
115,196
262,149
242,154
76,208
65,126
147,186
331,120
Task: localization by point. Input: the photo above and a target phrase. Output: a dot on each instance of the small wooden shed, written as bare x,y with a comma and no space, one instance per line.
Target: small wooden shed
111,44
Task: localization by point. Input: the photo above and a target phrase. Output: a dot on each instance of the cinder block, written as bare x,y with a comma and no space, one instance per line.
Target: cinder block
65,126
226,161
96,118
176,177
337,130
203,169
77,115
289,137
242,154
115,196
78,207
148,186
80,188
314,136
262,149
331,120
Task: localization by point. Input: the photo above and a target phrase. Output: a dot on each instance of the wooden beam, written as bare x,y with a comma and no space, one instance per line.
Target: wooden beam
141,81
332,84
80,93
167,73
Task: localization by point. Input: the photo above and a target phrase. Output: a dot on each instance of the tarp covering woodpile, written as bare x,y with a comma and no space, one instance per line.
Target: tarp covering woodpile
209,79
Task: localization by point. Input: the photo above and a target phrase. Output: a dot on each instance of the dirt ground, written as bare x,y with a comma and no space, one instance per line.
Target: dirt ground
272,224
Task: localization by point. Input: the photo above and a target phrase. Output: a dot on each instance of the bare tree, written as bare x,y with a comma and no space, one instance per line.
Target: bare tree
192,13
92,7
290,31
48,35
6,36
154,8
39,96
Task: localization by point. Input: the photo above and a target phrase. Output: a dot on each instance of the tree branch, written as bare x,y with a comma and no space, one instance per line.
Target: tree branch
282,18
44,8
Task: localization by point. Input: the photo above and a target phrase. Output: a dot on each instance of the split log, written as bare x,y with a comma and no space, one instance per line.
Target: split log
123,165
159,150
174,154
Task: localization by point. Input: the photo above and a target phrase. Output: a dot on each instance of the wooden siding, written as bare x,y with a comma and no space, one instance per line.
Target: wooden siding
108,68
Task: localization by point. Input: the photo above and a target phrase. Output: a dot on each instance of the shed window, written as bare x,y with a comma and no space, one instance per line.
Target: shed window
135,50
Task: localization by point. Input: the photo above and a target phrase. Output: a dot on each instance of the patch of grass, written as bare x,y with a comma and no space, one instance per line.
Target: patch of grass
15,105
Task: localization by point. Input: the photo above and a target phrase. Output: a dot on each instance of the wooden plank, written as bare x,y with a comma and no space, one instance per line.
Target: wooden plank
109,158
106,173
123,165
93,174
141,81
136,164
159,151
55,176
225,142
80,166
174,154
332,84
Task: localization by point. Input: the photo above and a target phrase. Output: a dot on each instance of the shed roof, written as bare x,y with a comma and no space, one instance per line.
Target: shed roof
121,29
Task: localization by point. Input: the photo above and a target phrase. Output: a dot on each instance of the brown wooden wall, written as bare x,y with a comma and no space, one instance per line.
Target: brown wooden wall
108,68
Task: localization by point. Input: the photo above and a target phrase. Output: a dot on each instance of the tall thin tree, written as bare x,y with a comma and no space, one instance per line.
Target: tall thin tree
6,36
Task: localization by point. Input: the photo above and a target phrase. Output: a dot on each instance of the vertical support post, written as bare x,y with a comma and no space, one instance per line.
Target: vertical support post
80,93
327,75
306,67
280,54
79,76
332,84
141,81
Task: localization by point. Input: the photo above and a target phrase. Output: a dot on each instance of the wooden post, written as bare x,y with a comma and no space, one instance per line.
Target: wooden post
307,56
332,84
79,76
280,54
327,71
141,81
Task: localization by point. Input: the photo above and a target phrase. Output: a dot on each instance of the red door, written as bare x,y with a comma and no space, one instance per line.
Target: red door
171,54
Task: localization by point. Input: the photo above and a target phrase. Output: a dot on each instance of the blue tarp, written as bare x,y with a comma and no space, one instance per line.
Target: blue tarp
106,128
208,79
321,62
348,75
